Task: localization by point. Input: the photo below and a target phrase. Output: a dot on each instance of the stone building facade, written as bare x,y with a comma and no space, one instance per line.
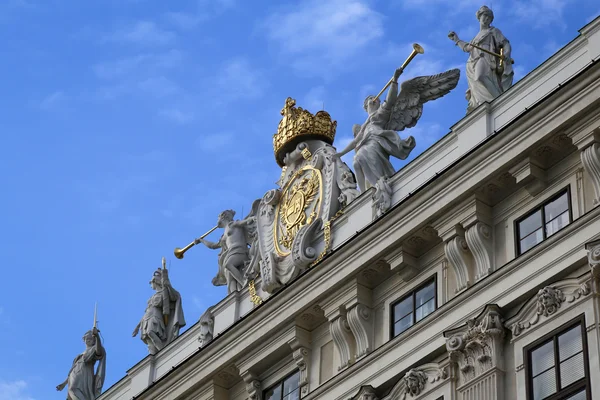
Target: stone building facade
481,282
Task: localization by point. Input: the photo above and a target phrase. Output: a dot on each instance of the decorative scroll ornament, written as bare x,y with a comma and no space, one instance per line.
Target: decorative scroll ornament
547,302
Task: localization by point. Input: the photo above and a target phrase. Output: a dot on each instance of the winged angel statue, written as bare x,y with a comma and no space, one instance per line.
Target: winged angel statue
377,138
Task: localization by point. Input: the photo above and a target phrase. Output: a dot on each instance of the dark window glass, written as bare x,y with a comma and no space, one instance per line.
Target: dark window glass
287,389
558,365
544,221
413,307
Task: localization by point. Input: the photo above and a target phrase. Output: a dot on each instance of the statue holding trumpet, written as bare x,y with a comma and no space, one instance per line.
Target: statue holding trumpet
489,68
239,254
377,138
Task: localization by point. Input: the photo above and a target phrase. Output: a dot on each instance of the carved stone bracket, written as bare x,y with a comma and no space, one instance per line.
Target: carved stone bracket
547,302
404,263
360,320
593,249
460,258
343,339
479,240
587,141
477,349
300,346
415,381
253,386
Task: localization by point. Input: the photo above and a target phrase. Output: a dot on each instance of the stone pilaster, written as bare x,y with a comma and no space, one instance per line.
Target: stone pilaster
477,351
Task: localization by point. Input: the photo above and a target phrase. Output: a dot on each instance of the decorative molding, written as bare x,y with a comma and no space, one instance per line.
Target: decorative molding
546,302
479,240
531,175
404,263
477,347
343,340
415,381
460,258
360,321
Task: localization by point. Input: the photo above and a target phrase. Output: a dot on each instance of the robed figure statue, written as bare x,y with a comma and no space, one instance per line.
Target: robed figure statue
377,138
163,318
488,75
83,381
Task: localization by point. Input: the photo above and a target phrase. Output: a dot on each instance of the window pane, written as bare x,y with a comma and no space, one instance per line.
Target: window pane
403,308
556,208
530,224
531,240
425,294
557,223
569,343
578,396
295,395
542,358
571,370
403,324
291,383
425,310
273,394
544,385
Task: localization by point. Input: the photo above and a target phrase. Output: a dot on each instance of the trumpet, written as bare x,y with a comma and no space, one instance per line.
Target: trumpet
179,252
417,49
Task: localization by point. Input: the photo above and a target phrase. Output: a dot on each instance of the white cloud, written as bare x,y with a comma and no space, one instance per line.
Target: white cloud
249,82
16,390
540,13
176,115
143,33
317,35
53,100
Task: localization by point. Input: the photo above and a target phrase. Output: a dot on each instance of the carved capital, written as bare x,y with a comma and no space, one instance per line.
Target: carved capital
479,240
477,346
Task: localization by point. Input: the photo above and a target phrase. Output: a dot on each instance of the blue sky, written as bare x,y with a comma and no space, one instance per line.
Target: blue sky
128,125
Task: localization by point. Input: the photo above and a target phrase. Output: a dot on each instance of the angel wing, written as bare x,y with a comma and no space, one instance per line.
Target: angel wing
417,91
250,229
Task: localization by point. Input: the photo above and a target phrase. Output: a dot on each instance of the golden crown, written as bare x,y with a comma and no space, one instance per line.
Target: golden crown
298,125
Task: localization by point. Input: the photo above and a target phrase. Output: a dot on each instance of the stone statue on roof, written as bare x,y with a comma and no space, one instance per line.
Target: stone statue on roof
489,68
85,380
163,317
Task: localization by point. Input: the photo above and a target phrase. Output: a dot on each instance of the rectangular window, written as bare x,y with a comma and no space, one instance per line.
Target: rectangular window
413,307
558,365
287,389
544,221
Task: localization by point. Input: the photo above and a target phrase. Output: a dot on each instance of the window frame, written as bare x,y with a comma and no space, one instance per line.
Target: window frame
281,381
573,388
541,207
413,293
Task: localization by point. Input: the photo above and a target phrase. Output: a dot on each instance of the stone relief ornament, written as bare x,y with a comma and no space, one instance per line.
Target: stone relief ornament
314,185
207,323
489,68
417,381
83,382
547,302
163,317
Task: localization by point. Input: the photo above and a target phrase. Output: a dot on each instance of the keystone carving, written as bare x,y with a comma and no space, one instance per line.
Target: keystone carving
415,381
